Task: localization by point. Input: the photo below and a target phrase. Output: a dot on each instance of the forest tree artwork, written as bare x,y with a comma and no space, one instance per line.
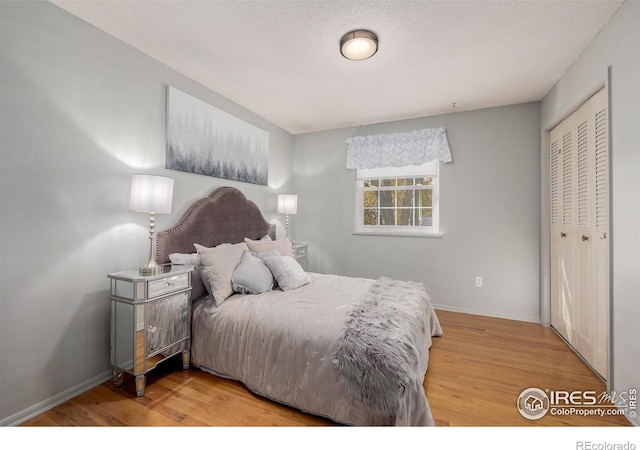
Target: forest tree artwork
205,140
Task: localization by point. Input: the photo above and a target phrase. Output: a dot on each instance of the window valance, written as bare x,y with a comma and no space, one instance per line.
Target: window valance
398,149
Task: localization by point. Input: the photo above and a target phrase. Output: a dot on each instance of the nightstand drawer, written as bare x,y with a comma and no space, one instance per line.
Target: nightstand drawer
299,249
167,284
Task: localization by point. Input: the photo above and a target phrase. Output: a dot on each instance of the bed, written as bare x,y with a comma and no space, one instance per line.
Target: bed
354,350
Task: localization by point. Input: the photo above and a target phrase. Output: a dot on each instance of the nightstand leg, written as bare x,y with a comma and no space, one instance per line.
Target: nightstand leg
186,359
117,377
140,384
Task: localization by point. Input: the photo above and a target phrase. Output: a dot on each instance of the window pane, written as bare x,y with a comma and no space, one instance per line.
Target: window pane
428,181
404,216
370,216
405,198
426,217
387,217
370,199
424,198
371,183
388,182
405,182
387,199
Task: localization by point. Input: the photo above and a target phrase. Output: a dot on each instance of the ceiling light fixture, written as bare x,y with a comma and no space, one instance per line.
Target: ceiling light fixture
359,45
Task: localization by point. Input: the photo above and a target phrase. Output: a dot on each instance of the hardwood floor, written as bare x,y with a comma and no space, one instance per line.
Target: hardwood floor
477,370
480,365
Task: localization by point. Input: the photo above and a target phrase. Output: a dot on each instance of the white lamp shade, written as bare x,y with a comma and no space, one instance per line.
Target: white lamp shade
287,204
151,193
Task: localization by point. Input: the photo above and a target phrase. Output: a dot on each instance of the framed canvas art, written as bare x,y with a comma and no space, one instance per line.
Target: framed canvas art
205,140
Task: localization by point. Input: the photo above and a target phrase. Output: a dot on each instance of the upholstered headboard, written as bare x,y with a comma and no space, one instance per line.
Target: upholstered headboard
225,216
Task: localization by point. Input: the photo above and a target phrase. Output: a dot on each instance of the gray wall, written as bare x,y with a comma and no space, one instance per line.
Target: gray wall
489,209
617,47
80,112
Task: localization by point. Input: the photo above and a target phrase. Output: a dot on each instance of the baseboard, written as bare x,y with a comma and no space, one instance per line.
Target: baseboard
533,319
58,399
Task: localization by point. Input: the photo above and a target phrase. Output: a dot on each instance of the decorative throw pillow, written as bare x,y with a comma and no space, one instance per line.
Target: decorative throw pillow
188,259
219,263
267,253
252,276
200,269
287,271
282,245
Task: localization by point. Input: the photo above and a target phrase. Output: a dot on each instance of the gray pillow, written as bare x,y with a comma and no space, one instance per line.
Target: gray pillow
251,276
200,269
267,253
287,271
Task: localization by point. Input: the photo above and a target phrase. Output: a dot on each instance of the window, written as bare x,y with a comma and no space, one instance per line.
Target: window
397,200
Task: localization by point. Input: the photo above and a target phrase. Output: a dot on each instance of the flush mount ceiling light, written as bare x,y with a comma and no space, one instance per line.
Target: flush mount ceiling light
358,45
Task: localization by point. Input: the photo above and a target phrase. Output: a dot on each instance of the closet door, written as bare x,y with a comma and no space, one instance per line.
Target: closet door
600,236
563,232
585,159
579,232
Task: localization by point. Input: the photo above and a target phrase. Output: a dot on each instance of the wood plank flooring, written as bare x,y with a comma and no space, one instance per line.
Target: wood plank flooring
477,370
480,365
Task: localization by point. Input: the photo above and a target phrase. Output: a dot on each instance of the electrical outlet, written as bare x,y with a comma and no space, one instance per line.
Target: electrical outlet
478,282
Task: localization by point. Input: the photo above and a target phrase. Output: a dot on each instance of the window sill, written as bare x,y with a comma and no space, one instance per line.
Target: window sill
400,234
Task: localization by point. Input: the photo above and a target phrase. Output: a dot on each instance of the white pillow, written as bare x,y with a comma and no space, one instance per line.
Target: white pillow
219,264
189,259
252,276
287,271
282,245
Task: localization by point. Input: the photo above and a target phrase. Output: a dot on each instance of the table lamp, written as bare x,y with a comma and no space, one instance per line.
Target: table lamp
287,204
152,194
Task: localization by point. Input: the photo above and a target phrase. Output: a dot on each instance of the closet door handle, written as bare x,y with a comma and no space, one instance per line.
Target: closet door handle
585,238
563,235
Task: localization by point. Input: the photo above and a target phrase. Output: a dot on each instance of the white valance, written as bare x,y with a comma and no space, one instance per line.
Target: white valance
398,149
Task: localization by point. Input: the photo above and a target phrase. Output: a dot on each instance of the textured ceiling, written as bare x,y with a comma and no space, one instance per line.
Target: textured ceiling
280,59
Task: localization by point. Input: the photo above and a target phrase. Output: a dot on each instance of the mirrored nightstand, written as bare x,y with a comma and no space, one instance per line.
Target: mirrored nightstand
150,321
300,253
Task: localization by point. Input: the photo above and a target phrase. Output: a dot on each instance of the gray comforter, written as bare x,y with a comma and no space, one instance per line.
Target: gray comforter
284,346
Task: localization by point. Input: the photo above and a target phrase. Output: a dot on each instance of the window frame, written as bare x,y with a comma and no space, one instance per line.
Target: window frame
428,170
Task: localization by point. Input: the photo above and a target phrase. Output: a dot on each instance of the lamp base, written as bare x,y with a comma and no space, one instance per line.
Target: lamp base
286,229
152,267
150,270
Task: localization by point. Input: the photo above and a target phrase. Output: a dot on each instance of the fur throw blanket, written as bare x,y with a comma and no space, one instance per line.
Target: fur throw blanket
377,352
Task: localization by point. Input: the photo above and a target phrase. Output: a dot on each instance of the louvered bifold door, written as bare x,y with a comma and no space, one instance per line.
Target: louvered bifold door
585,331
579,231
562,177
600,236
